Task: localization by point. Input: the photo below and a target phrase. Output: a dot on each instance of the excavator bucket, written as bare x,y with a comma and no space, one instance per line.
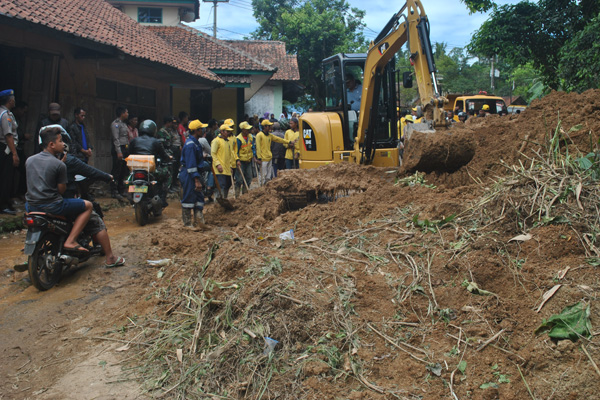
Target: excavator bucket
436,150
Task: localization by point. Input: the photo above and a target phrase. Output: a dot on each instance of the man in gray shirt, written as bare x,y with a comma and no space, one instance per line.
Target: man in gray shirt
47,181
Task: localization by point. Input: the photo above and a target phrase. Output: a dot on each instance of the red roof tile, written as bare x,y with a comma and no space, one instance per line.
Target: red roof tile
98,21
273,53
212,53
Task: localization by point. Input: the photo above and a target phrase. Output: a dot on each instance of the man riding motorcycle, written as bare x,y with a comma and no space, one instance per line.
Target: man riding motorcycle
146,144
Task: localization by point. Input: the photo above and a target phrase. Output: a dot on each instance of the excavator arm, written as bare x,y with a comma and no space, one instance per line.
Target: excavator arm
410,25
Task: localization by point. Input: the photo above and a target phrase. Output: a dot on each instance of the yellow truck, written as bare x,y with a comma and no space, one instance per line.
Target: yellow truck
468,103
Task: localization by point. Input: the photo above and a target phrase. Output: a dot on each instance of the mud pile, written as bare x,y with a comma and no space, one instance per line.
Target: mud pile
371,300
513,139
444,150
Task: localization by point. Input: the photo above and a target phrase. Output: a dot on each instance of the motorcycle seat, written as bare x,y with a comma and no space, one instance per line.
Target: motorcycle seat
41,213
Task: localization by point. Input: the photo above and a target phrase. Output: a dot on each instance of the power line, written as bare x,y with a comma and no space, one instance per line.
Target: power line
237,33
244,2
242,6
209,13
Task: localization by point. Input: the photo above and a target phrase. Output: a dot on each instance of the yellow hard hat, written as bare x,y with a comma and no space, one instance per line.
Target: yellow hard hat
245,125
196,124
485,107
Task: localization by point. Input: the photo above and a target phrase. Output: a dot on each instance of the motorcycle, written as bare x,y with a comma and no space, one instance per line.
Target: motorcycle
47,258
147,194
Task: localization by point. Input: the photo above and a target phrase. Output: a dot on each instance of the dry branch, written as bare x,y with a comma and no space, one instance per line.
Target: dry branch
390,341
490,340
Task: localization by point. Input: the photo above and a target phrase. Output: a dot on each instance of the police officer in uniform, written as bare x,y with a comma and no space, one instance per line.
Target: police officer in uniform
119,151
192,163
9,159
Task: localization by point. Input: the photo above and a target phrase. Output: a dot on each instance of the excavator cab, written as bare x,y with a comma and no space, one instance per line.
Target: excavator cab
343,75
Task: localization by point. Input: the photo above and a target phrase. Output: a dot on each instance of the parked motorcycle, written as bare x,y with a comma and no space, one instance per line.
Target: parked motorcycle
47,258
147,194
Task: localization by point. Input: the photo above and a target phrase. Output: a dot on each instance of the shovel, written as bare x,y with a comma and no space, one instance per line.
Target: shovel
226,204
257,174
244,179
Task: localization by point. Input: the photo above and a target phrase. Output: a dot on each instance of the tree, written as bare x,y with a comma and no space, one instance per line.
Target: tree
524,78
479,5
313,30
579,65
533,32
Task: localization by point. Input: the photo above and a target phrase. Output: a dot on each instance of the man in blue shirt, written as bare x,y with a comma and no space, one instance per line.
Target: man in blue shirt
80,146
353,92
192,163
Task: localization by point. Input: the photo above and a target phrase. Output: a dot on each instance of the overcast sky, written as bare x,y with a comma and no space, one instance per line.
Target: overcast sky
449,19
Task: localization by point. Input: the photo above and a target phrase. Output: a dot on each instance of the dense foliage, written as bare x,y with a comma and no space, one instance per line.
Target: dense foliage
555,36
312,29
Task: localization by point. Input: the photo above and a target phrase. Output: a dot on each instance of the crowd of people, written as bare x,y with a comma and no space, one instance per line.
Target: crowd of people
193,156
214,159
203,159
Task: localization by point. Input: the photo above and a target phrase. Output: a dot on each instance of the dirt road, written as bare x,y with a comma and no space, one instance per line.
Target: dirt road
48,348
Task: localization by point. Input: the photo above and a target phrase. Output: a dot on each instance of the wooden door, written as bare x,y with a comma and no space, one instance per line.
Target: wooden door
104,114
40,77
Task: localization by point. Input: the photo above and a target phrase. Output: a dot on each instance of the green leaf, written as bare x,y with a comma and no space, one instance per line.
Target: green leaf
462,366
584,163
593,261
489,385
571,323
473,288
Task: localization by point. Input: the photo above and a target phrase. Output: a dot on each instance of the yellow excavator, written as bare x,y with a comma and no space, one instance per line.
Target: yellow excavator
367,132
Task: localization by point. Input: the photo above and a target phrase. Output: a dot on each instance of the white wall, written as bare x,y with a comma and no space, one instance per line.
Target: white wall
170,15
267,99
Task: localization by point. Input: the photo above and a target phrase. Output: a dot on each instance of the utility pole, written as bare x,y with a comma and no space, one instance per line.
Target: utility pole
492,72
215,2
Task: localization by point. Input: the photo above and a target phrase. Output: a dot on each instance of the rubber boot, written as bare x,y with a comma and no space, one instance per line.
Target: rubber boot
198,218
186,216
237,192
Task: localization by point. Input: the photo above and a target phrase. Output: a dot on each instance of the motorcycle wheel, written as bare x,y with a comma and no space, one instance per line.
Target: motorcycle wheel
141,215
45,269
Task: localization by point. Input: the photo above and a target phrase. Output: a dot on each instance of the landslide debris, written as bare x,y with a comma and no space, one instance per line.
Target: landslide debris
371,300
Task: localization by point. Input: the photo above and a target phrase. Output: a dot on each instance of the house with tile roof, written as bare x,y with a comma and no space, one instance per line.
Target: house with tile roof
87,53
282,85
243,74
257,74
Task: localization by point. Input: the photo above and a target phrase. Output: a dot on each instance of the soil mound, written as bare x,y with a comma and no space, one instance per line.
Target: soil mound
296,189
443,150
417,276
512,139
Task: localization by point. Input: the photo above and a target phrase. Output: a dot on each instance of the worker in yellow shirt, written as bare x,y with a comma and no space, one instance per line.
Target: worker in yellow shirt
292,154
222,155
231,140
263,151
415,118
406,119
244,149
